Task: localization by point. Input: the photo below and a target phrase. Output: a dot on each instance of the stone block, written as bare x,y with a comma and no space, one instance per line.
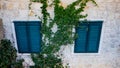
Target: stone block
7,5
3,5
23,5
105,1
23,14
36,6
117,7
10,6
110,1
98,1
10,0
24,0
111,7
67,2
117,1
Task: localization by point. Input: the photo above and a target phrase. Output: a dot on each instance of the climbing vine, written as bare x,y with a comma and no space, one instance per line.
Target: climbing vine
8,55
65,19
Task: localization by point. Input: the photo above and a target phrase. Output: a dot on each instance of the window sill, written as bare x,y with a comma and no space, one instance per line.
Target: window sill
86,54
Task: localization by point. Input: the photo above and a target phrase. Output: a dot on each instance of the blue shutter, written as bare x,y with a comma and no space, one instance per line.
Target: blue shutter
34,36
28,36
21,36
94,36
80,42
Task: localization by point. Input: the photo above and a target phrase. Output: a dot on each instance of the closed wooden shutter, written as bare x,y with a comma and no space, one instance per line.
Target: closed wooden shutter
28,36
88,37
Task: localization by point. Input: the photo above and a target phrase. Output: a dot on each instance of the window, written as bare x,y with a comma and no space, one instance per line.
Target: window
88,37
28,36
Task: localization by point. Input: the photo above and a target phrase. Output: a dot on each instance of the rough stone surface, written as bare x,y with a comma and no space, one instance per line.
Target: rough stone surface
107,10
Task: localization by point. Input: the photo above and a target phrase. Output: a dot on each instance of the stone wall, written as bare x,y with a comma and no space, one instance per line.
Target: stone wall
107,10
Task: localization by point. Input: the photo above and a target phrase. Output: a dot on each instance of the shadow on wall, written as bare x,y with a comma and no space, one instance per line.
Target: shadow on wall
1,30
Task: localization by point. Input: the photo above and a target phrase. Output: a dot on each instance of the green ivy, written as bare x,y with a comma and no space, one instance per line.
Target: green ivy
66,20
47,61
8,55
